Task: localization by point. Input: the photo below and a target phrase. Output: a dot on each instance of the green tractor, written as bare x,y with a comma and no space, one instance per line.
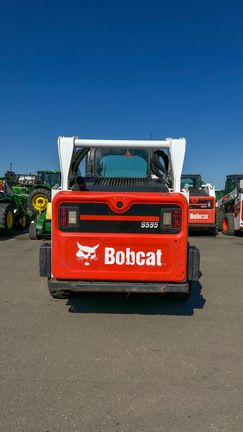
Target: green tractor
40,226
39,203
40,194
36,186
13,210
35,189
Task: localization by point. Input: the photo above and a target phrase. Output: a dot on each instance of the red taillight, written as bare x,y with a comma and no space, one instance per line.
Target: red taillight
210,204
63,217
176,219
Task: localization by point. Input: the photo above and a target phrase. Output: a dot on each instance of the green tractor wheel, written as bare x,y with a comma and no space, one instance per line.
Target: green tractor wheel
6,219
33,233
38,200
22,221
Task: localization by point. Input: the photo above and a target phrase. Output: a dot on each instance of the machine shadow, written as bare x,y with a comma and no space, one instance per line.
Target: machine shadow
14,235
239,234
139,304
198,233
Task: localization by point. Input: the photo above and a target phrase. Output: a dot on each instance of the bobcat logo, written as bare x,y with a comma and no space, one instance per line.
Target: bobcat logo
86,253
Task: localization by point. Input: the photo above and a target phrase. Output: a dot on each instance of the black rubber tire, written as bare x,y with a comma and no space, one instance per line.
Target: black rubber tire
33,235
44,192
228,224
182,297
60,294
21,222
6,213
219,219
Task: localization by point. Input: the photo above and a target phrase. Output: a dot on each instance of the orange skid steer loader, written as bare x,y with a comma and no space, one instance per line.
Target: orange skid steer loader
123,226
201,203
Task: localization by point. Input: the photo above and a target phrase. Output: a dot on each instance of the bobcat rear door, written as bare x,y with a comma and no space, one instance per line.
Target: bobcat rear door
119,236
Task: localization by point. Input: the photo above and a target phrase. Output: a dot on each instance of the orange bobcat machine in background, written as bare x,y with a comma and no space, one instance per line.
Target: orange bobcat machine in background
126,228
201,203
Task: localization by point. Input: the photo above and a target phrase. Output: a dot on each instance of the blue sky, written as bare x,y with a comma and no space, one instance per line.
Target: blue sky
121,69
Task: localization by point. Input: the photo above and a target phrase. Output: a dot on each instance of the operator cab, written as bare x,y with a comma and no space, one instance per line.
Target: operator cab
51,178
234,181
193,183
121,169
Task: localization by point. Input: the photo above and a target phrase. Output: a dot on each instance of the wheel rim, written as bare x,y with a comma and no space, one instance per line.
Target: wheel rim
225,224
40,202
9,219
24,221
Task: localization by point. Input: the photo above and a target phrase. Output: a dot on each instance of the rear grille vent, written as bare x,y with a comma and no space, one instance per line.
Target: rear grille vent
124,182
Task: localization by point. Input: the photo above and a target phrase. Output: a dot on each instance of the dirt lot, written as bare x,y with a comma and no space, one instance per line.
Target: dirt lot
105,362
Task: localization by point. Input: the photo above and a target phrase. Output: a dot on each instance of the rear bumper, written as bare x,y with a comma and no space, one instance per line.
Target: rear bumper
116,286
201,226
57,285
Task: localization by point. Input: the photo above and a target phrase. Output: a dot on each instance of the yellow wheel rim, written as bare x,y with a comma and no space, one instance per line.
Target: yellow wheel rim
9,219
24,221
40,202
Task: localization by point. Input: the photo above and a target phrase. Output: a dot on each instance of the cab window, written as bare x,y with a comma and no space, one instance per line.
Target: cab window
128,163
